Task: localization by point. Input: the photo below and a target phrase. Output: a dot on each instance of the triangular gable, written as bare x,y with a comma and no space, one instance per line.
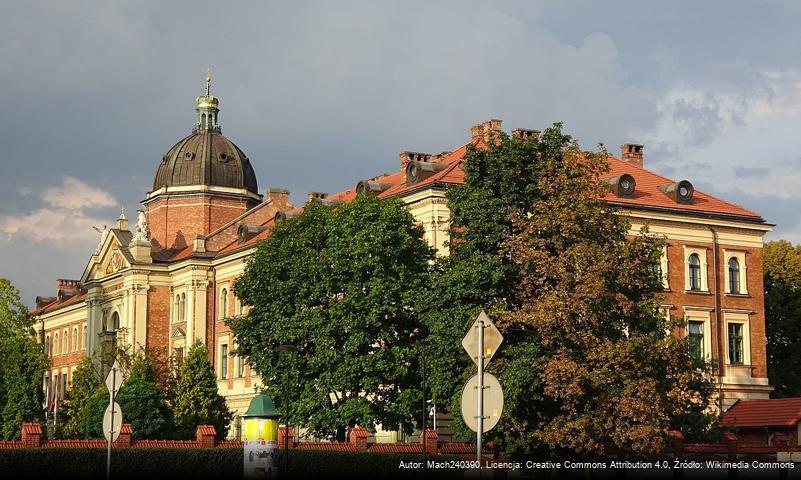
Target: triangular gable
112,257
178,332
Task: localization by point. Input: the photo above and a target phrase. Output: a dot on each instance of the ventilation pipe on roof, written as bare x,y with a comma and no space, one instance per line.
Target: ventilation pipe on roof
680,192
418,171
245,232
284,216
371,187
623,185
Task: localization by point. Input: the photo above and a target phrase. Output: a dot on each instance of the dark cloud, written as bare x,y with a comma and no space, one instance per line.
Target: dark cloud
320,94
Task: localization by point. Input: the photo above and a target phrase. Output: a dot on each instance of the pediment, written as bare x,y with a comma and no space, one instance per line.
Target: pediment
111,256
178,332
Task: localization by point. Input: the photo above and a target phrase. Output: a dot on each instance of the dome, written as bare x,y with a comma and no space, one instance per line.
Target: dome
205,157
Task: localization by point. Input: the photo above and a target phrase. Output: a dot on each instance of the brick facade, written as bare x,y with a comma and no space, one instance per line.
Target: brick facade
175,220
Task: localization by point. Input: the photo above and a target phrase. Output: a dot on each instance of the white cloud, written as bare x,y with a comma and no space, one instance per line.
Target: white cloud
63,217
694,116
75,194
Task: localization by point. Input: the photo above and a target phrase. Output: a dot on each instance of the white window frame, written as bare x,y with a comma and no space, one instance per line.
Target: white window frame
740,256
742,319
704,318
664,265
701,252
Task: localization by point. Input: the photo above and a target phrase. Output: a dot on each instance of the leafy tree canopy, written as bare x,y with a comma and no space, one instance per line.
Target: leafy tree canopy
23,365
340,283
85,381
587,364
782,270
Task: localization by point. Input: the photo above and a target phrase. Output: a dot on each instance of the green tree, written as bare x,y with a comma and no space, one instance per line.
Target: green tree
85,381
614,377
143,405
587,364
23,365
197,400
340,283
500,180
782,270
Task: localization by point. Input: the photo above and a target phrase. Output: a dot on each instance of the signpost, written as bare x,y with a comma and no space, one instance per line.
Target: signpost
112,420
482,342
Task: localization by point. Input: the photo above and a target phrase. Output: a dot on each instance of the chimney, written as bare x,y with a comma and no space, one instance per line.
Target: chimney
525,133
67,288
485,130
200,244
279,196
316,196
632,153
406,157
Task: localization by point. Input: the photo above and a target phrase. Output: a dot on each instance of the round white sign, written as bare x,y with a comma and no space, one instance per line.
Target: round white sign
107,429
493,402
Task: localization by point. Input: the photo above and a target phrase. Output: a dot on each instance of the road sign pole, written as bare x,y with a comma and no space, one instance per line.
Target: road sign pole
111,432
480,412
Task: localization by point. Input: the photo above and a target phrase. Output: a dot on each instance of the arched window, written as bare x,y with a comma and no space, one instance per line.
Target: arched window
74,339
48,352
223,303
115,322
695,272
182,308
55,343
65,339
85,337
734,275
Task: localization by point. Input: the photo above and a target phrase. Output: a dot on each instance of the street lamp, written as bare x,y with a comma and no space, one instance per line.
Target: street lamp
285,350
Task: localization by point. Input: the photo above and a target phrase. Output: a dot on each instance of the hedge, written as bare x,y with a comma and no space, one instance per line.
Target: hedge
201,464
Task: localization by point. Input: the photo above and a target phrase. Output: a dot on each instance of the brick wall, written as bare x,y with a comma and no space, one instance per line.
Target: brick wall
175,220
753,301
158,318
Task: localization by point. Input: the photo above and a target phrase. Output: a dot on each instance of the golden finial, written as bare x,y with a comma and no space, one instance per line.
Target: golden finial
208,80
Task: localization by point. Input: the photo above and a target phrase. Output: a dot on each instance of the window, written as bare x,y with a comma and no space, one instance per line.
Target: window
85,337
695,338
182,308
75,339
734,275
657,269
178,356
224,360
223,303
55,343
65,342
176,315
240,365
48,352
736,343
695,272
115,321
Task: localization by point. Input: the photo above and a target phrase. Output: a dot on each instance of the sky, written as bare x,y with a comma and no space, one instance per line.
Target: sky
322,94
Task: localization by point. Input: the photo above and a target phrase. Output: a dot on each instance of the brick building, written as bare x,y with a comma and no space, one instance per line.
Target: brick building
167,281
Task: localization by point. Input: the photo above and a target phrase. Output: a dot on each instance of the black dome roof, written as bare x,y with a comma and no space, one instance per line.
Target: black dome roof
207,158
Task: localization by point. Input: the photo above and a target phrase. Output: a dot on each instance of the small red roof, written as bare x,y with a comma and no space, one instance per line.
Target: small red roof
774,412
57,304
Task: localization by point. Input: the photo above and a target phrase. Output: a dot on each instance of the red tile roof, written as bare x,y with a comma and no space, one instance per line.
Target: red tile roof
774,412
647,195
57,304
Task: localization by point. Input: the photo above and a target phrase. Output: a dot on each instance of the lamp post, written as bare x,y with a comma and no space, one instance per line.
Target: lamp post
286,350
